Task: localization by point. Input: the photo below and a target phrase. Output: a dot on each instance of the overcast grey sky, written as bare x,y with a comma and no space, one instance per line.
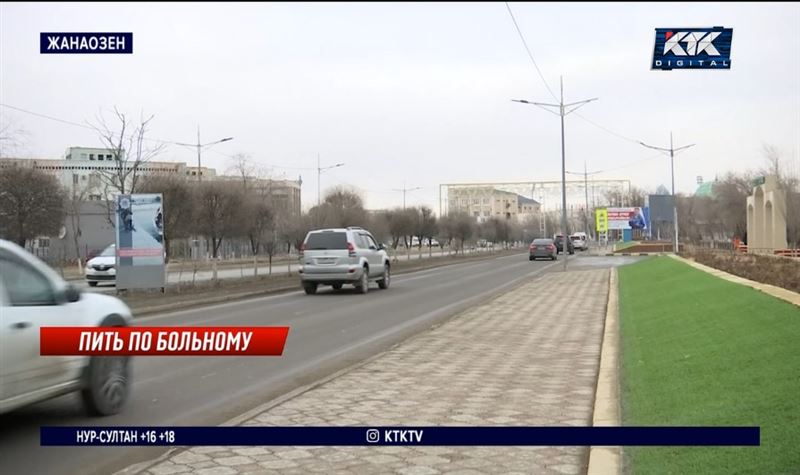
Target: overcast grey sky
413,91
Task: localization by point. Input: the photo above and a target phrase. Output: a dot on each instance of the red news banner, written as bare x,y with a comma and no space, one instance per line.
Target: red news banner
162,341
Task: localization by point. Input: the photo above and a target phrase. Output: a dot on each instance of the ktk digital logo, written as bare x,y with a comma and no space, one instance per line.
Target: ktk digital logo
86,43
692,48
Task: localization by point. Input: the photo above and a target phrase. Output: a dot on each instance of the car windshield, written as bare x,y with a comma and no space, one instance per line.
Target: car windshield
326,241
108,252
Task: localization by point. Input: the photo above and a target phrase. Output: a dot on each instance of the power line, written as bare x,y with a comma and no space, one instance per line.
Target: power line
76,124
606,129
541,76
530,55
47,117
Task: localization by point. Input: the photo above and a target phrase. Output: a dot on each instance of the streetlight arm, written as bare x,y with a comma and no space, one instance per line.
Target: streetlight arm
654,148
684,147
226,139
577,105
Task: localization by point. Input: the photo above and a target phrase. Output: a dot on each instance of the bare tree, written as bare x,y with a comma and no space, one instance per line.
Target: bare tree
244,168
176,205
218,215
260,226
463,228
31,204
342,207
74,205
12,137
400,225
789,180
424,227
127,142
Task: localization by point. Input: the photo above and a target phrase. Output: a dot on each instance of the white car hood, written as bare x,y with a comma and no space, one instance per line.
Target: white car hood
102,261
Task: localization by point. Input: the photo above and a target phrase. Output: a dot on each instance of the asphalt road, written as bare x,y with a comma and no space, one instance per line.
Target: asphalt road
329,331
247,270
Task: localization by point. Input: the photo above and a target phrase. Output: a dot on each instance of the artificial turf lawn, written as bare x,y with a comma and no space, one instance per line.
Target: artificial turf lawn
701,351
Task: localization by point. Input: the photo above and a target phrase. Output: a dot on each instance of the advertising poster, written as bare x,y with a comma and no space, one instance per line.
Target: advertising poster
627,218
601,220
140,236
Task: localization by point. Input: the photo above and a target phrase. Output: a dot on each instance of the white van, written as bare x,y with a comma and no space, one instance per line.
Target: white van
580,241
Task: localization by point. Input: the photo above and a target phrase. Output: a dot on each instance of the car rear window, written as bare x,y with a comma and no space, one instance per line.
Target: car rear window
542,241
326,241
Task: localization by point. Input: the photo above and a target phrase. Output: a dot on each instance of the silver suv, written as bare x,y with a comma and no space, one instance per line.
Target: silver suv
343,256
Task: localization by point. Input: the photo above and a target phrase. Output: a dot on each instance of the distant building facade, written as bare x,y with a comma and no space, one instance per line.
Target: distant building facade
484,202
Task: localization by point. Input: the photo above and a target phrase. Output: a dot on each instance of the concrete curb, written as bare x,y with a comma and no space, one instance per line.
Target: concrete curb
605,460
772,290
609,254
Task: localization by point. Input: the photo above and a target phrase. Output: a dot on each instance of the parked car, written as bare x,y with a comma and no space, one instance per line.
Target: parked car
580,241
559,239
542,248
342,256
32,295
102,268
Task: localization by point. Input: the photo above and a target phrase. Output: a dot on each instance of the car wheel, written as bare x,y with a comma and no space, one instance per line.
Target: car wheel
363,284
337,286
387,277
92,284
555,258
310,287
531,258
108,385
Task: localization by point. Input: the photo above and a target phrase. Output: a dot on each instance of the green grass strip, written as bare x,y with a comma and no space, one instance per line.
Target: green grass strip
701,351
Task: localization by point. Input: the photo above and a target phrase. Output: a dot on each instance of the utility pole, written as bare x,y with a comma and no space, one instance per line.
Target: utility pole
586,192
404,190
199,147
672,151
319,175
562,112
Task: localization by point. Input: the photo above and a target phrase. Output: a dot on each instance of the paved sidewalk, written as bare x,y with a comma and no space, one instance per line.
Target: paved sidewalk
528,357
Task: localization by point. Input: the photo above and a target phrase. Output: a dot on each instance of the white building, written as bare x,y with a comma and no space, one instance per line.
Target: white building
86,170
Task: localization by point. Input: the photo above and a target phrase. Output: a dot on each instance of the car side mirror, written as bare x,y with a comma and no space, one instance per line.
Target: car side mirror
72,294
381,247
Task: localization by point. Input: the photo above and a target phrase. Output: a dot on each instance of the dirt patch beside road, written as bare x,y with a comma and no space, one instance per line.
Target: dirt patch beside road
781,272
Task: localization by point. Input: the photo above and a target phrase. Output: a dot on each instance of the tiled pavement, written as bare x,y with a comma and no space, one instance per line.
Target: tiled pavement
528,357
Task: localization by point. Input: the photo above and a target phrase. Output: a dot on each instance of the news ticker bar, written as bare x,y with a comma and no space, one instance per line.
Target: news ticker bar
402,435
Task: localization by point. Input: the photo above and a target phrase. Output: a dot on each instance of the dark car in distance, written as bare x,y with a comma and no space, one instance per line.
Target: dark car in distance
560,244
545,248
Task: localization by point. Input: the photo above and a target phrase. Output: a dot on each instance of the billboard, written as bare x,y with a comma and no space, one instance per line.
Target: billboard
140,236
628,218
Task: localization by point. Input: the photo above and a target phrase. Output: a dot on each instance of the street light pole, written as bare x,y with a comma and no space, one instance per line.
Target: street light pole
404,190
199,147
199,174
586,192
562,112
672,151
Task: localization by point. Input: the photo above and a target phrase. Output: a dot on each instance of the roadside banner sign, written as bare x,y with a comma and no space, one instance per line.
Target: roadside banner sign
140,241
627,218
601,220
